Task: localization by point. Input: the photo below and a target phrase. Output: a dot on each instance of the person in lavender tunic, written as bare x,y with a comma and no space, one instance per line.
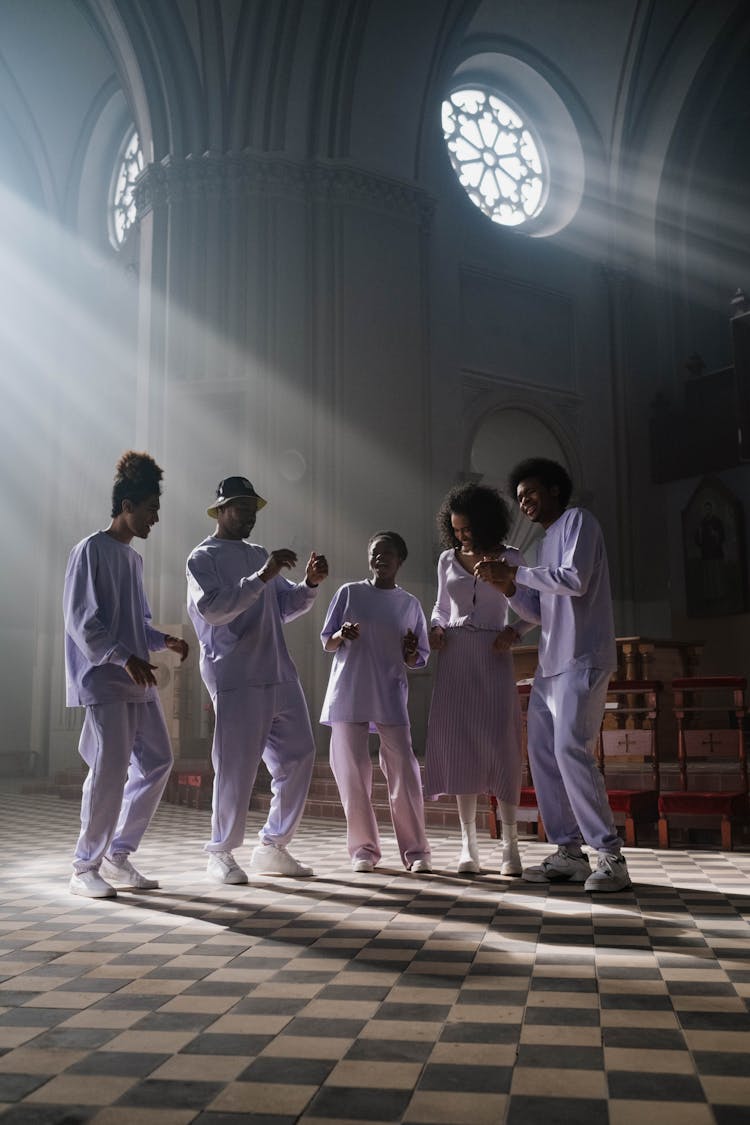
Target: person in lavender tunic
376,631
568,594
474,728
108,638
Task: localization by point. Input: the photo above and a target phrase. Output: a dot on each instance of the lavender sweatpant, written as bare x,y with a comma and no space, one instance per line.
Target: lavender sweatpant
565,715
270,722
126,747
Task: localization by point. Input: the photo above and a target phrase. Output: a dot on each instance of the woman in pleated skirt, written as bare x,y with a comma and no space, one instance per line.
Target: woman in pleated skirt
474,729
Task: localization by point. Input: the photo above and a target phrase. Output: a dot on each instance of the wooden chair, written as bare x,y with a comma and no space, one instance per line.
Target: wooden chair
527,802
709,712
190,783
629,738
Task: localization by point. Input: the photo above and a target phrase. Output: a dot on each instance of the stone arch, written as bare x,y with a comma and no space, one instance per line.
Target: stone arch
156,65
507,431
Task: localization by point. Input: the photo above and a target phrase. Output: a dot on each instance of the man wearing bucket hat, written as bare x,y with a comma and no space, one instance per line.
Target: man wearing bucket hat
238,600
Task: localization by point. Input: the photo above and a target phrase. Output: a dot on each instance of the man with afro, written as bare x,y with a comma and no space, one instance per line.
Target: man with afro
108,638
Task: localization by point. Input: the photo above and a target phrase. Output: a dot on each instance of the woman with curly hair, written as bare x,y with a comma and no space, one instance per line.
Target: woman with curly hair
474,729
108,638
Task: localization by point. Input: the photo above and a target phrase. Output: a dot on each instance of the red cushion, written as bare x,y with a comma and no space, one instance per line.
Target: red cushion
700,683
703,804
527,799
635,802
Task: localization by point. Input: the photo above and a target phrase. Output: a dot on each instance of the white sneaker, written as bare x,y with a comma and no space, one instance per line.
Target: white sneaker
421,866
362,866
511,861
91,885
274,859
468,863
560,867
611,874
223,868
121,871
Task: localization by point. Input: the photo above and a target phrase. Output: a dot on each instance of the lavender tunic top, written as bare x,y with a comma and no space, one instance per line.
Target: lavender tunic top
368,677
107,620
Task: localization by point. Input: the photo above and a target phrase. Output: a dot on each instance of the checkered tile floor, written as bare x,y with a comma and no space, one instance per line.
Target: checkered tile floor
367,998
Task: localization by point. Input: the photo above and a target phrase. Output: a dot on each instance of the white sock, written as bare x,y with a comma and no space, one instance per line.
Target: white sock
467,809
507,812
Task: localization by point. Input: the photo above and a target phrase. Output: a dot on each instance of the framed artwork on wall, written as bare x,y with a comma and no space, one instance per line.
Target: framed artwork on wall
713,538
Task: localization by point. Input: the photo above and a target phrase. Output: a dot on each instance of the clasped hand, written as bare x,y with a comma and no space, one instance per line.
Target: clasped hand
496,571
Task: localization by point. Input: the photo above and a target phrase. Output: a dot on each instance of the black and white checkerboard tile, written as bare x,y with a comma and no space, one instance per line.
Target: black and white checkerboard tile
367,998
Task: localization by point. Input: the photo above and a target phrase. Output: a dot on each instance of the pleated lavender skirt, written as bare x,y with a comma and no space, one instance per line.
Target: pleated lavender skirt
474,729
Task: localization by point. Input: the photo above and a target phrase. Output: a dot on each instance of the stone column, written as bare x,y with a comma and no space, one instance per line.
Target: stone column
283,334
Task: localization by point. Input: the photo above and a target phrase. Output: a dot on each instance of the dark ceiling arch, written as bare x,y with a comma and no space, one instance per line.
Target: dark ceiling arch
159,73
264,47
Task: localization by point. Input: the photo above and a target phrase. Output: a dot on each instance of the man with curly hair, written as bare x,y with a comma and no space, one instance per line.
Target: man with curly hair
108,638
568,594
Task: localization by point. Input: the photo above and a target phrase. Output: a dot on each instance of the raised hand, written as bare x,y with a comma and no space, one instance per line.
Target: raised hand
316,570
282,558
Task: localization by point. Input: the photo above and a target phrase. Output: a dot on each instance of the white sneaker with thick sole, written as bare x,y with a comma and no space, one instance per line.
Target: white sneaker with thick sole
511,861
123,873
611,874
90,884
363,866
421,867
467,865
274,859
222,867
560,867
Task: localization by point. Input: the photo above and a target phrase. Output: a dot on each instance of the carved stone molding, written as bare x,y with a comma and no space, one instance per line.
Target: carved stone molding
242,175
476,384
344,184
482,395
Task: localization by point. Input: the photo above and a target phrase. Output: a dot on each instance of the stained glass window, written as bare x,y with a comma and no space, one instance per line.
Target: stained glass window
122,207
499,163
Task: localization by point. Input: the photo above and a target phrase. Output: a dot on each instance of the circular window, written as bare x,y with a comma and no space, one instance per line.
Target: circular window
514,144
122,211
499,163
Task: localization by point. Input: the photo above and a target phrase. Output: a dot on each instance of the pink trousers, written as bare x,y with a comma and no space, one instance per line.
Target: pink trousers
352,767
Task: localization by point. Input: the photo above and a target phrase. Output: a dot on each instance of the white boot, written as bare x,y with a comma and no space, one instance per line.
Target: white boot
468,864
511,861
